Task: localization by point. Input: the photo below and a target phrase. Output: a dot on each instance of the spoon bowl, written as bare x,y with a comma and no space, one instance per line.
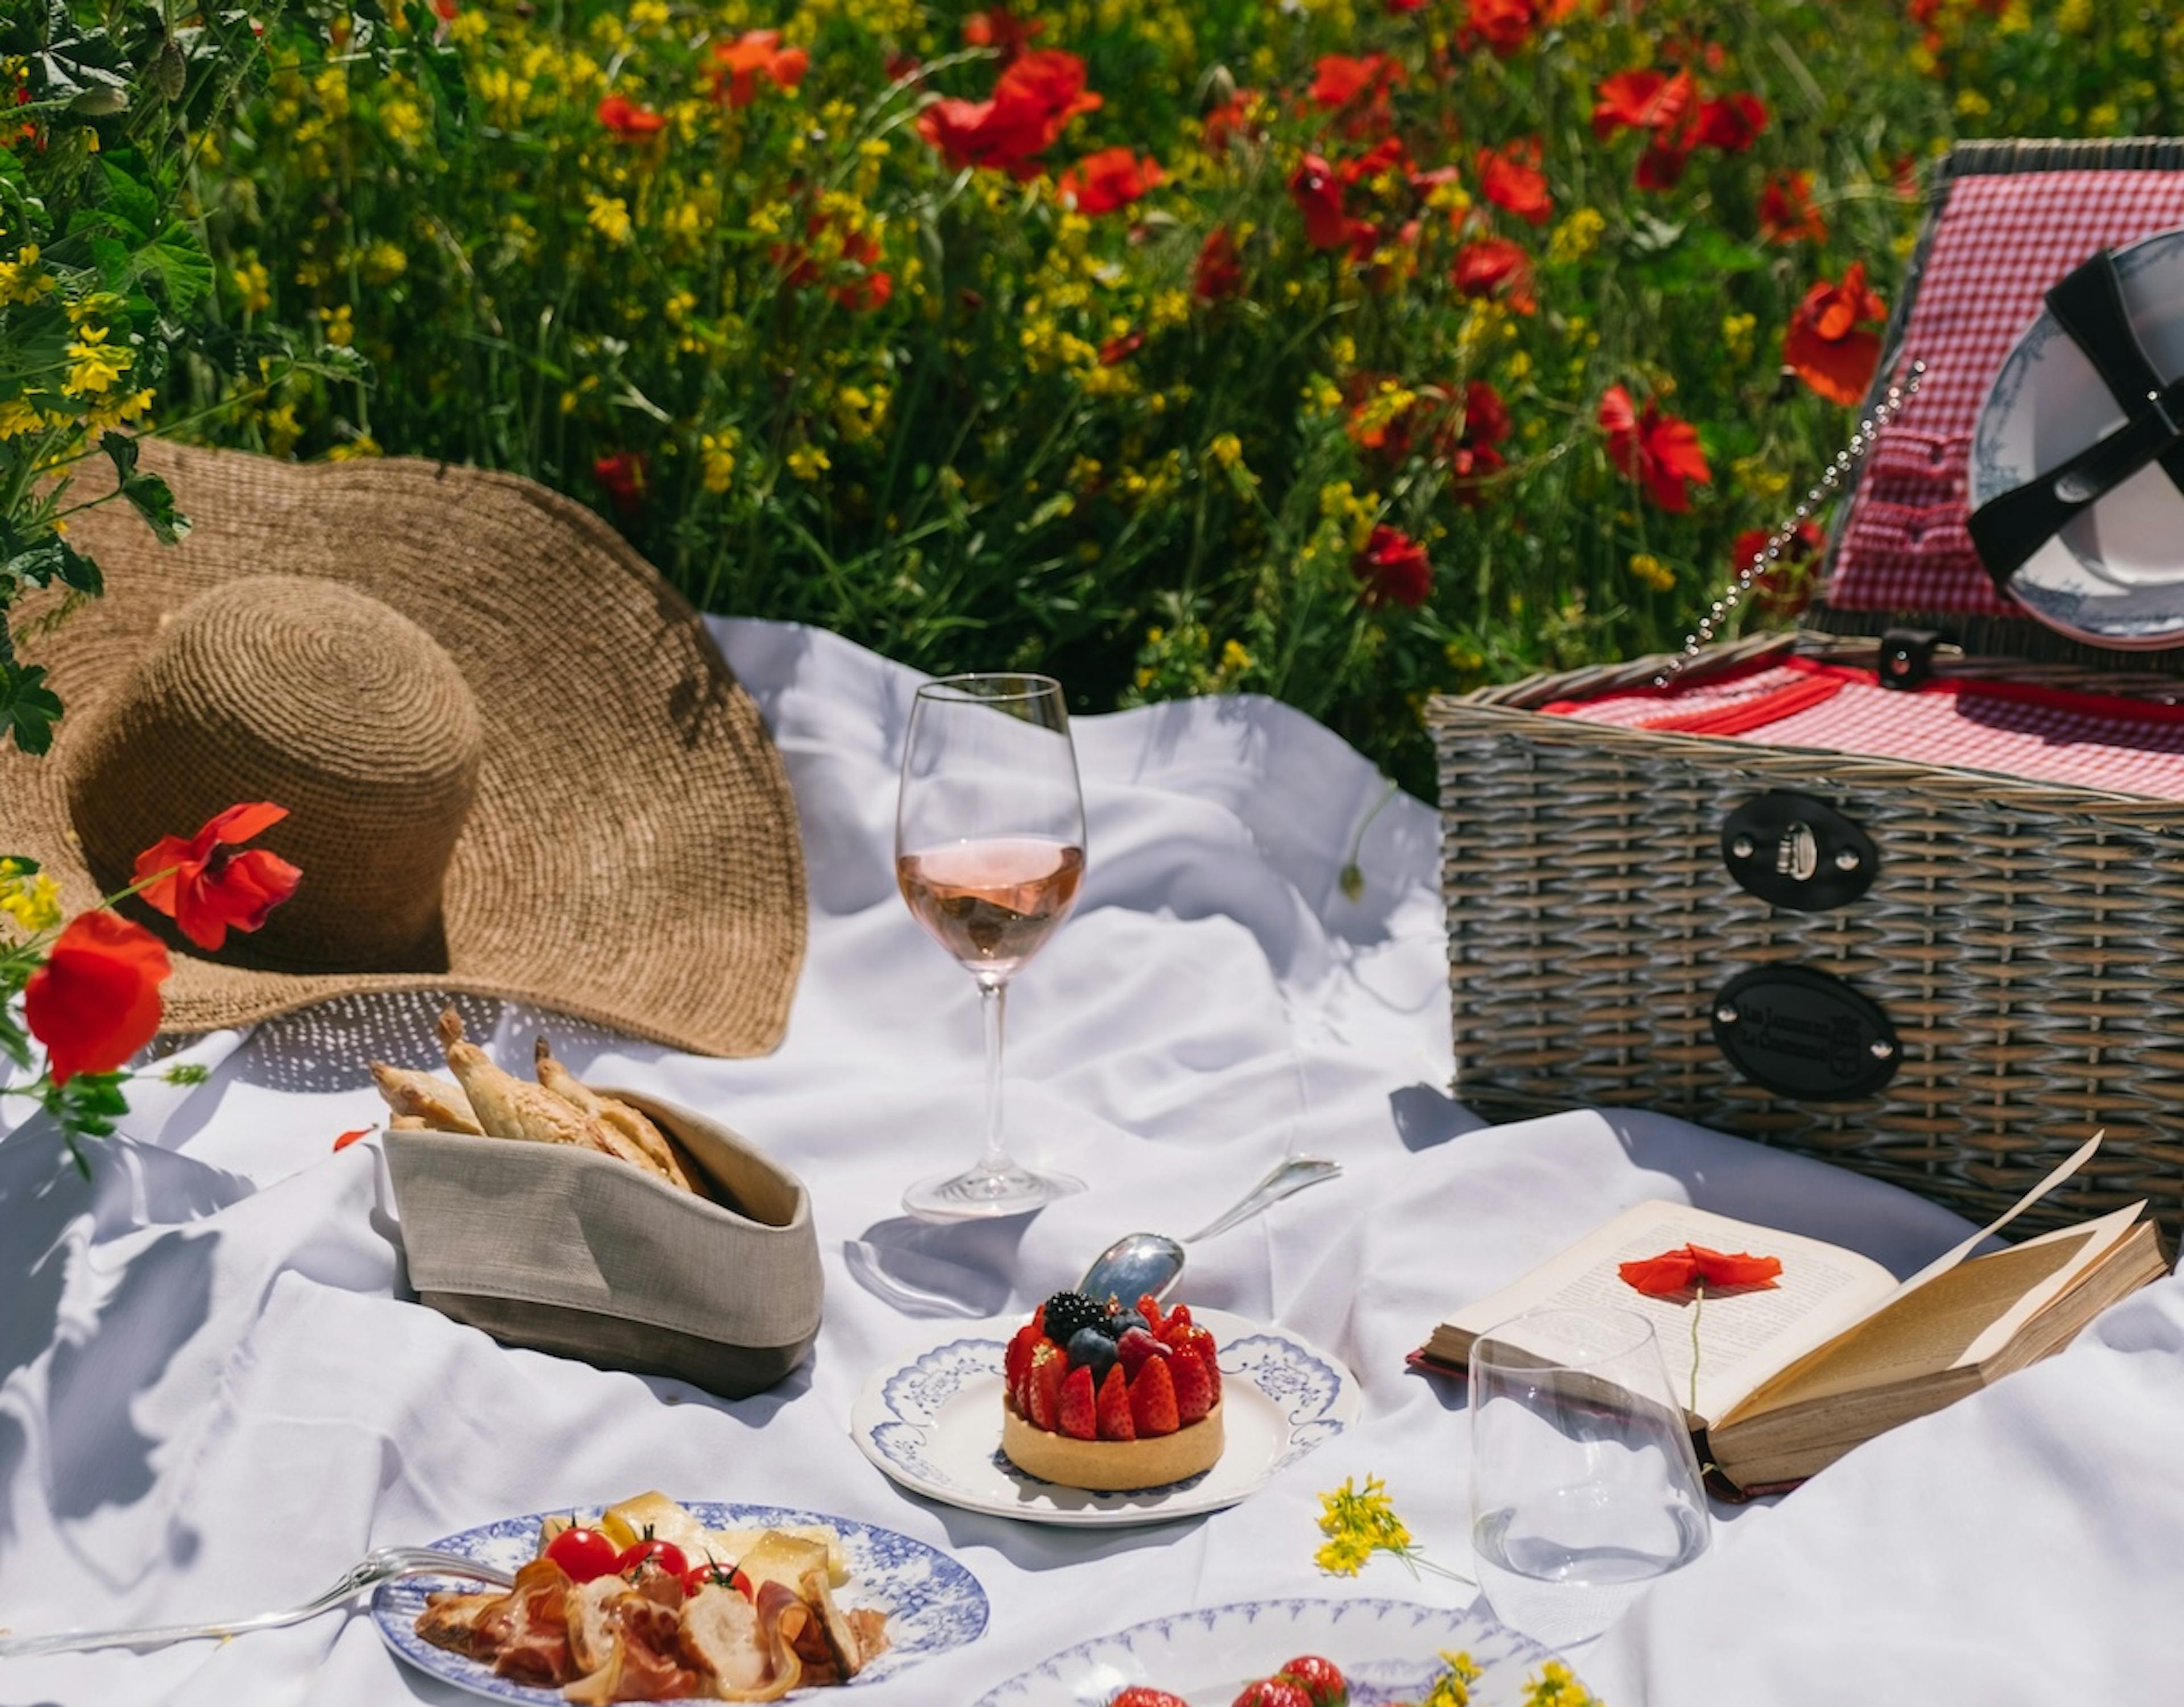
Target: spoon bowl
1140,1263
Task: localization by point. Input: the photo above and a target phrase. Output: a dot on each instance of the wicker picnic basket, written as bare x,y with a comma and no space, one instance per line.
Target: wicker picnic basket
1943,975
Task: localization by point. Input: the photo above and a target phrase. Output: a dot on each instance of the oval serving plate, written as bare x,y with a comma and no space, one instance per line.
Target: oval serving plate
932,1603
1390,1650
2115,575
933,1424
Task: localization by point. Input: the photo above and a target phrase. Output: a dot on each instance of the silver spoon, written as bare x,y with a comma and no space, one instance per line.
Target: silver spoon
368,1572
1139,1263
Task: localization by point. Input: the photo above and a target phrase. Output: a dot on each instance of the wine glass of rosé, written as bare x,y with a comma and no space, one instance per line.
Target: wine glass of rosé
990,851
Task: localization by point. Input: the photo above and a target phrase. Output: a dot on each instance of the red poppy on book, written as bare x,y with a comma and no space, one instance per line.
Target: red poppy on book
1688,1266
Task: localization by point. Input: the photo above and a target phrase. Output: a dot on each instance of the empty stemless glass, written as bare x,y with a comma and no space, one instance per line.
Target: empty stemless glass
1583,1485
990,851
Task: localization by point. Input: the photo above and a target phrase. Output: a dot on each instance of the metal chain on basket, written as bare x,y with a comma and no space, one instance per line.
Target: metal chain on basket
1770,556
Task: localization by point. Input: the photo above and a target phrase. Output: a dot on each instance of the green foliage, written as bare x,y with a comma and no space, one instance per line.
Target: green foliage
817,370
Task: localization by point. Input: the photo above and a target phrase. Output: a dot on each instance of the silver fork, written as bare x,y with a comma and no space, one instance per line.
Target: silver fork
368,1572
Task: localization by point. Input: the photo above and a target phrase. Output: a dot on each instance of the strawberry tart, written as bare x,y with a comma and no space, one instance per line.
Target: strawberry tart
1110,1398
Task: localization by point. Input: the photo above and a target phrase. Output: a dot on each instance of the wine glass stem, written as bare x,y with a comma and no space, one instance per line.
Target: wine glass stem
993,1005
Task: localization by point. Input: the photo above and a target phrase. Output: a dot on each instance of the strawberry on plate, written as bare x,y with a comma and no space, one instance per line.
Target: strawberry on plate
1116,1422
1079,1416
1137,1695
1152,1401
1273,1692
1320,1679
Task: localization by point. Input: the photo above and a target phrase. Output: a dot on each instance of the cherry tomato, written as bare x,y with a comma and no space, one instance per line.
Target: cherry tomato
663,1554
713,1572
583,1554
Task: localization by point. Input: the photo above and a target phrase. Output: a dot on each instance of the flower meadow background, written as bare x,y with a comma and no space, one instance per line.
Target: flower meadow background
1341,350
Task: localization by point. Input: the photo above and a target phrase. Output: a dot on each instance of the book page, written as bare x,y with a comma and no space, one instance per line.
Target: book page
1960,1318
1744,1335
1787,1377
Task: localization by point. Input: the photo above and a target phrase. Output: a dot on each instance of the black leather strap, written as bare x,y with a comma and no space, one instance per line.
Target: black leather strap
2088,305
2007,530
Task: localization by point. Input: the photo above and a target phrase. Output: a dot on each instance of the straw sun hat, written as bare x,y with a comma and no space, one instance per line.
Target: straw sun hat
515,763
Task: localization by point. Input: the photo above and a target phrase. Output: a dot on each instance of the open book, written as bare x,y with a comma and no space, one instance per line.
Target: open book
1791,1377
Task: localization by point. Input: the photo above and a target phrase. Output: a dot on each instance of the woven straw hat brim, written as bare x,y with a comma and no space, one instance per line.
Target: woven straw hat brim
633,856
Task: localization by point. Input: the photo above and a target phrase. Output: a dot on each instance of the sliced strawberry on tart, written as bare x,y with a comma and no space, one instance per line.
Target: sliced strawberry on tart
1110,1397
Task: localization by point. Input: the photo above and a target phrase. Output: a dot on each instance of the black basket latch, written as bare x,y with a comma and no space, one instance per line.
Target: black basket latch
1907,657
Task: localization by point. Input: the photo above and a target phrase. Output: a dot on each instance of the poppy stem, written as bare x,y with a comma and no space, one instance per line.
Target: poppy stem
1698,1305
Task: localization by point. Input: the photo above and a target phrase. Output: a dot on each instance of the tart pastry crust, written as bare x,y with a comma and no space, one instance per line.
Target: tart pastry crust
1111,1467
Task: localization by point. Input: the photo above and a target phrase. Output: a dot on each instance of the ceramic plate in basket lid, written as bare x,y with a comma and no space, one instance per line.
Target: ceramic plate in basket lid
2113,575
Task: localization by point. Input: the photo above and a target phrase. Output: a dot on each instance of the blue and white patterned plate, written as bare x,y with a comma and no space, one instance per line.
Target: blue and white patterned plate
1390,1651
932,1603
933,1423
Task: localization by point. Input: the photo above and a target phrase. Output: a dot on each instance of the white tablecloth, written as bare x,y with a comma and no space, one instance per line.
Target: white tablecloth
213,1395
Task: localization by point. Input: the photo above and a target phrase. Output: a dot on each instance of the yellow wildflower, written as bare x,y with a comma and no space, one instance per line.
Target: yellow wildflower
340,325
94,364
21,281
1737,336
31,899
1452,1689
1576,237
1649,571
253,287
1357,1523
17,418
356,449
384,262
1557,1686
468,27
404,122
1227,449
2075,17
1972,104
607,215
716,458
808,462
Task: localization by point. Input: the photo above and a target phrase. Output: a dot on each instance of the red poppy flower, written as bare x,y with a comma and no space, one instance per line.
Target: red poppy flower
96,1001
1340,81
859,285
1786,212
1397,6
623,474
625,118
1229,120
1317,193
1218,271
1732,124
1641,100
1371,425
1830,343
1032,103
1504,25
1116,351
1470,452
1111,178
1687,1266
1659,451
1395,569
996,27
1510,177
1661,166
343,1140
205,888
754,53
1495,266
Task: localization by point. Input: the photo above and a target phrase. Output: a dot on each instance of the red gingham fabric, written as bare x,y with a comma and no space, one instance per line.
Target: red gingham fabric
2003,240
2040,734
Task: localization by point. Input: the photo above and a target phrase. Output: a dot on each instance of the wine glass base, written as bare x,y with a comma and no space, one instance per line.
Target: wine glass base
979,1195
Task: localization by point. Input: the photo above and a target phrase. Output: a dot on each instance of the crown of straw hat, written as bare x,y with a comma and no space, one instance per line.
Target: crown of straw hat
514,762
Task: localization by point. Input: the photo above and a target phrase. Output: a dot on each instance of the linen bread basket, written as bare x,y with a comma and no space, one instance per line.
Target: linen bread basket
568,1251
1936,936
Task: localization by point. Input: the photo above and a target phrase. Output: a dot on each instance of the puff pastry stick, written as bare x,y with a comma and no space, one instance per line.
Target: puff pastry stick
432,1101
507,1107
610,1111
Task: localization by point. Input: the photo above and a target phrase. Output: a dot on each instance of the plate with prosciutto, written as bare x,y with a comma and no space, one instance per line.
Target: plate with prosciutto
656,1600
